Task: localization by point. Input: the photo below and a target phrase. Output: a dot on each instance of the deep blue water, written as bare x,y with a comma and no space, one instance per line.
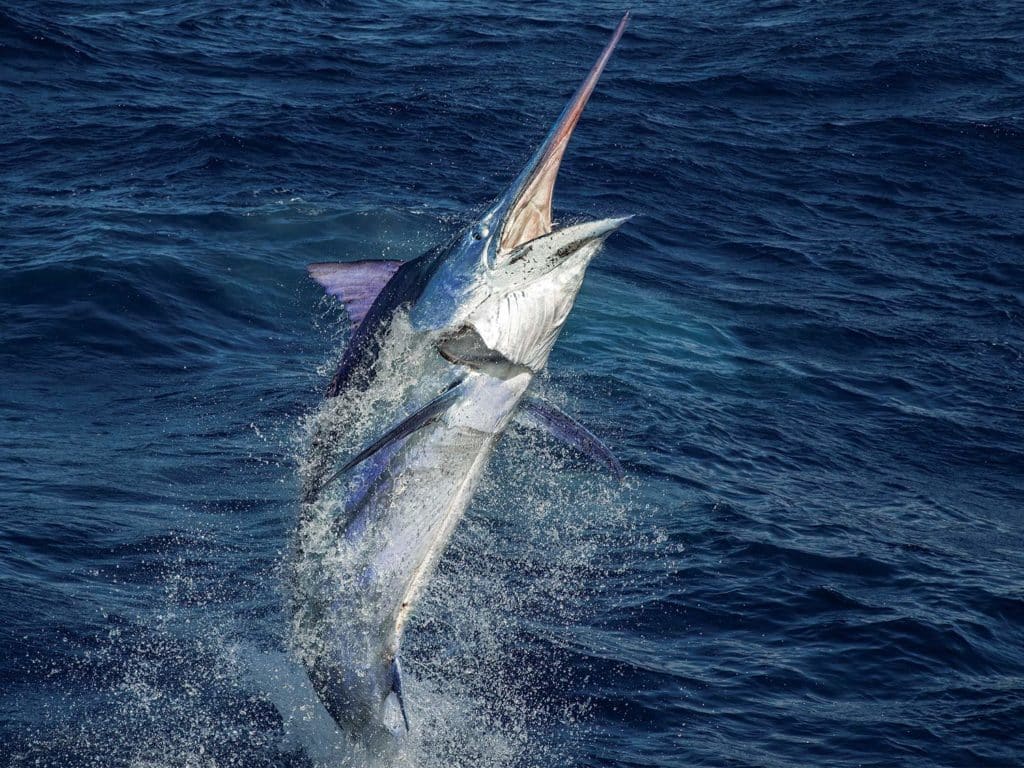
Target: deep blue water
806,349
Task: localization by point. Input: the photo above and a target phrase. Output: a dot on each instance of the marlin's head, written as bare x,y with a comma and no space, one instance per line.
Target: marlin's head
507,283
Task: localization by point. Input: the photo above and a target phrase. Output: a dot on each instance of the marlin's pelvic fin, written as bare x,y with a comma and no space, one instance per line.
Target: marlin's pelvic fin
425,415
396,686
535,411
356,283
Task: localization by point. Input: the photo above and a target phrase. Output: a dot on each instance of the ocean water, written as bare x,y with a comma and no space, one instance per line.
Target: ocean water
806,349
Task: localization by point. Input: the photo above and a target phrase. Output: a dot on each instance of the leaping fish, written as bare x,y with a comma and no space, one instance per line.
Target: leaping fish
491,303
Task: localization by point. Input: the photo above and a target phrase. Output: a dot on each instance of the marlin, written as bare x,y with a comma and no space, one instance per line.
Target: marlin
486,309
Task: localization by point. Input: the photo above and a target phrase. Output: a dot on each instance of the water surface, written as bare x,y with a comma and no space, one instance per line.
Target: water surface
806,349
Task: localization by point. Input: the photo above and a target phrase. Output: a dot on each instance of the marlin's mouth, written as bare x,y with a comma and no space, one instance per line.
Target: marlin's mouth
524,212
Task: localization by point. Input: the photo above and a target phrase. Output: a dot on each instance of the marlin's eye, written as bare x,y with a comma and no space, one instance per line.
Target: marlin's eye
480,232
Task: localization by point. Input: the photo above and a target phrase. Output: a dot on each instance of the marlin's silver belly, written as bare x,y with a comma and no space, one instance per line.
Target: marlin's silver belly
390,527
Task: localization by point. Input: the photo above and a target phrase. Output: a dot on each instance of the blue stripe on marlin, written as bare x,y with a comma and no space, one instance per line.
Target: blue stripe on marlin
492,303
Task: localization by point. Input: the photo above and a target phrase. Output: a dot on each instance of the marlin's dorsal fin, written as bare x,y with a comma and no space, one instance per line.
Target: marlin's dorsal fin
535,411
356,283
425,415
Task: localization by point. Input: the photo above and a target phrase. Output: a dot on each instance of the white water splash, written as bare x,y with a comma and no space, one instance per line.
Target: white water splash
526,557
197,683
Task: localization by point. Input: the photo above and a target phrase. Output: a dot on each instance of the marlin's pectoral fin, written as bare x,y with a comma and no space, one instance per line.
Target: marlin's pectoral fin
425,415
536,412
356,283
396,687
